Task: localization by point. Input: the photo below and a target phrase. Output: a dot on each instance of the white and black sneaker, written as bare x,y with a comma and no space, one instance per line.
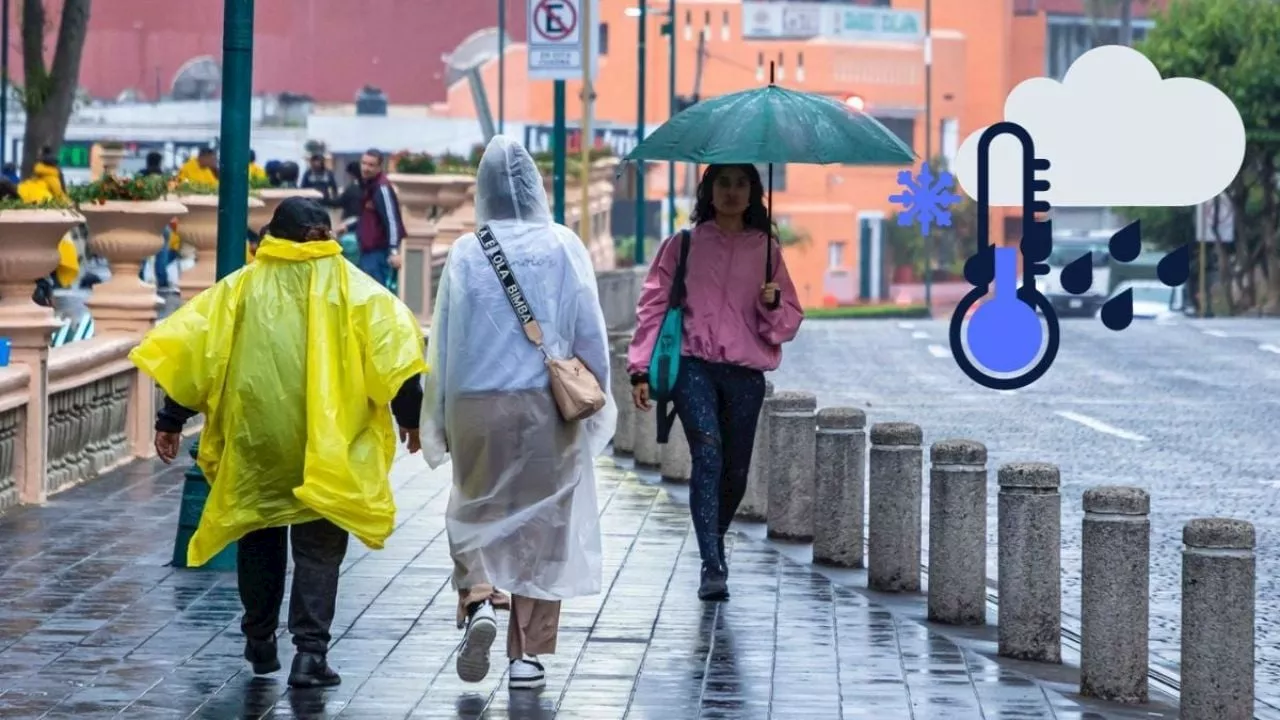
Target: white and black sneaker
526,674
473,653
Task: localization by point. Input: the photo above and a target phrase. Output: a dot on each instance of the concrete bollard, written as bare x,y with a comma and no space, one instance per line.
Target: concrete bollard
756,501
958,532
677,463
1219,582
1029,530
840,476
620,385
645,447
895,490
789,465
1114,599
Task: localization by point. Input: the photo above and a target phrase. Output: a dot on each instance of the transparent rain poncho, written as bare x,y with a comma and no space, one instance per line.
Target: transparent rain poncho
522,511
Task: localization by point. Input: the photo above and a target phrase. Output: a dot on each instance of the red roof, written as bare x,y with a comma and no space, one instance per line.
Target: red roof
327,49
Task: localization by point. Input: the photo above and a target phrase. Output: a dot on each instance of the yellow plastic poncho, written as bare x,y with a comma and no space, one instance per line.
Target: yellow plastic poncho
192,172
43,186
293,361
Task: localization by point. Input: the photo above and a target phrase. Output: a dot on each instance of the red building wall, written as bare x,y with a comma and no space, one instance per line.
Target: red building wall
327,49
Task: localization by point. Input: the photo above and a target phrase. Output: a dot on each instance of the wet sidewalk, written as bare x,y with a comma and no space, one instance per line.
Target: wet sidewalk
94,625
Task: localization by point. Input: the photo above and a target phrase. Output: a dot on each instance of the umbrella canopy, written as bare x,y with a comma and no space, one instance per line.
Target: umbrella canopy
773,125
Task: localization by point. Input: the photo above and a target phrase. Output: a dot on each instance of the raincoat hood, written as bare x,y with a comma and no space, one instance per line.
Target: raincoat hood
509,186
293,361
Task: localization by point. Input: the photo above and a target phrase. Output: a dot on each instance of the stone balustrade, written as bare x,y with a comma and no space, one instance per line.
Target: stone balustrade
70,413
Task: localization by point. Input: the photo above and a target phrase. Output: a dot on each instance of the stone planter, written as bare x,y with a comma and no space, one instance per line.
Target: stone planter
454,192
199,230
28,253
271,199
126,234
418,195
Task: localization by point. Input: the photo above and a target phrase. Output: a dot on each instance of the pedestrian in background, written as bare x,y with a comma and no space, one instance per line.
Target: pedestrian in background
319,177
293,361
522,511
380,227
734,328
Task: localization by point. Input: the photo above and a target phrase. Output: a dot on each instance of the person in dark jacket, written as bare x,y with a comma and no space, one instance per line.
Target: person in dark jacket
379,228
318,177
352,197
288,174
155,165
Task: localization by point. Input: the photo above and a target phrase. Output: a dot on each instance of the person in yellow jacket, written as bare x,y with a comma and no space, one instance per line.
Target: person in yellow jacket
256,173
45,185
294,361
201,169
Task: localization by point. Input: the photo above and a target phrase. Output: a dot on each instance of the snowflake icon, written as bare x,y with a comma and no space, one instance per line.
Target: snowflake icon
925,198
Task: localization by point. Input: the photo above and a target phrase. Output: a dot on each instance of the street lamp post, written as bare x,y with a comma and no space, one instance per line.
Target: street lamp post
928,144
502,67
233,155
4,80
671,93
641,56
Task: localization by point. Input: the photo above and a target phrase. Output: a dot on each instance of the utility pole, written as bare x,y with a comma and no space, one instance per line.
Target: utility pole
928,144
671,92
641,58
233,152
502,66
4,81
586,135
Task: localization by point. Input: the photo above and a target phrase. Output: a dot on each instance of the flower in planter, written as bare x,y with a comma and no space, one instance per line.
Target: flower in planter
113,188
411,163
187,187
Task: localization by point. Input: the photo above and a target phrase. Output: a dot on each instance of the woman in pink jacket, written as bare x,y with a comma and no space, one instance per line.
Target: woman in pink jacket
734,327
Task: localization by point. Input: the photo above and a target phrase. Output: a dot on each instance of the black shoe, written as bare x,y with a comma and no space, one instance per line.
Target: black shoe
715,585
261,654
311,670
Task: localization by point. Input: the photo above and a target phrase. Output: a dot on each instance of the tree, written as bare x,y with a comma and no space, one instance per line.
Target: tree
1231,45
49,90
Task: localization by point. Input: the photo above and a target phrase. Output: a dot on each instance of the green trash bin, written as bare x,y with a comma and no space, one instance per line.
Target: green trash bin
195,491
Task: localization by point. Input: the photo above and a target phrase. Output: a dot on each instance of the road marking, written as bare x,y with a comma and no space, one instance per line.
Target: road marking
1095,424
1214,333
906,325
1270,348
939,352
920,335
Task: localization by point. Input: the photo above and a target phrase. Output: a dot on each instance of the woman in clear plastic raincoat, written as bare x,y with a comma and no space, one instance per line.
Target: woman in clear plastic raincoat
298,362
522,514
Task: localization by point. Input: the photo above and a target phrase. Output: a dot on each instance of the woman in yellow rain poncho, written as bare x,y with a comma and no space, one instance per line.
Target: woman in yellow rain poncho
45,185
293,361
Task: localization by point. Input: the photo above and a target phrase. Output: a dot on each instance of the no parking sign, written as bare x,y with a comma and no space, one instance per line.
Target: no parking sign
555,38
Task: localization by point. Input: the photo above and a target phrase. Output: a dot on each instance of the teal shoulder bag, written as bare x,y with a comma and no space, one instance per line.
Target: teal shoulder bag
664,364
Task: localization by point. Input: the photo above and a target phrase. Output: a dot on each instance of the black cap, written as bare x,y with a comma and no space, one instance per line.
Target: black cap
300,220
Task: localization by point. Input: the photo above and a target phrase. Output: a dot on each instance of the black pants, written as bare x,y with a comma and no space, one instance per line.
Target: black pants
261,564
719,406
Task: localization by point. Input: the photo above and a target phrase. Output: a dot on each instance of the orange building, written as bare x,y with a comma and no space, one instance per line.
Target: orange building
858,52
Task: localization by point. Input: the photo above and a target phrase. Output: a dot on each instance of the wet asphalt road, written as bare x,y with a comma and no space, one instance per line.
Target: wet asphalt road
1190,411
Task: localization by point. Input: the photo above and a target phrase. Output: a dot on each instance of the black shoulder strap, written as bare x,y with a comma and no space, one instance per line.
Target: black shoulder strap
515,295
678,289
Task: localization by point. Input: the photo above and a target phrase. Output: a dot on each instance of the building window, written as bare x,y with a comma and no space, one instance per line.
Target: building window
1070,37
603,41
779,176
835,255
904,128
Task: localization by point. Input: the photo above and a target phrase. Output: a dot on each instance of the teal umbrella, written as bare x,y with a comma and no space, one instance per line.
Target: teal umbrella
773,125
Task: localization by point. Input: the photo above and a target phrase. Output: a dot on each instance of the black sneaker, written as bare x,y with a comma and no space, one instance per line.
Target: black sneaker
311,670
715,585
261,654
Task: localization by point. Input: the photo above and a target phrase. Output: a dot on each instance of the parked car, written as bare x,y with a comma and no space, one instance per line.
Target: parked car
1153,299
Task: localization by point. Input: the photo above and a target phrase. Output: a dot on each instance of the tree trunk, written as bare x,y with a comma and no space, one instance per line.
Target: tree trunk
1237,195
1267,180
49,94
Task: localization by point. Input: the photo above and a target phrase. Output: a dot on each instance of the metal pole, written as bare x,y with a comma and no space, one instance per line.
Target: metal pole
233,156
558,154
585,133
4,81
641,57
671,91
928,144
502,66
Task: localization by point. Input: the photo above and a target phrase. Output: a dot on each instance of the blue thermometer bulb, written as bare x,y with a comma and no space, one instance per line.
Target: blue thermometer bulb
1004,335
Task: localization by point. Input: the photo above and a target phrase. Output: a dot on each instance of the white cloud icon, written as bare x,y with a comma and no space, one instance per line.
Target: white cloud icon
1115,134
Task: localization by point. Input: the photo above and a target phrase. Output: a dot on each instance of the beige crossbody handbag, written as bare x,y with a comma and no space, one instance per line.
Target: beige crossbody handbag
576,390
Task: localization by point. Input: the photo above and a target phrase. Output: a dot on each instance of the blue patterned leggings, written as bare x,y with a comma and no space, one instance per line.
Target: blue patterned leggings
718,406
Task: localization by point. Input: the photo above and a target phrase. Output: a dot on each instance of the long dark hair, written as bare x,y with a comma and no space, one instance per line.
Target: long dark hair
756,216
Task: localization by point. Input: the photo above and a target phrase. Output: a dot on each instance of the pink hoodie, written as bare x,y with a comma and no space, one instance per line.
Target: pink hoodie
724,320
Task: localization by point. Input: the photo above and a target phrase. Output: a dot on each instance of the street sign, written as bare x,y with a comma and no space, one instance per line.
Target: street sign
1215,221
538,138
555,39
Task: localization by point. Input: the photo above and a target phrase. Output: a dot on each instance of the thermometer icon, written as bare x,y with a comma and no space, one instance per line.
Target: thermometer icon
998,346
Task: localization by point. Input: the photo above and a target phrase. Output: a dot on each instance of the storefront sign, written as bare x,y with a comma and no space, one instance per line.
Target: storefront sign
807,20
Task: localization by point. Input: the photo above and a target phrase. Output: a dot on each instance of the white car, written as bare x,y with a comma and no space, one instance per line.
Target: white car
1152,298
